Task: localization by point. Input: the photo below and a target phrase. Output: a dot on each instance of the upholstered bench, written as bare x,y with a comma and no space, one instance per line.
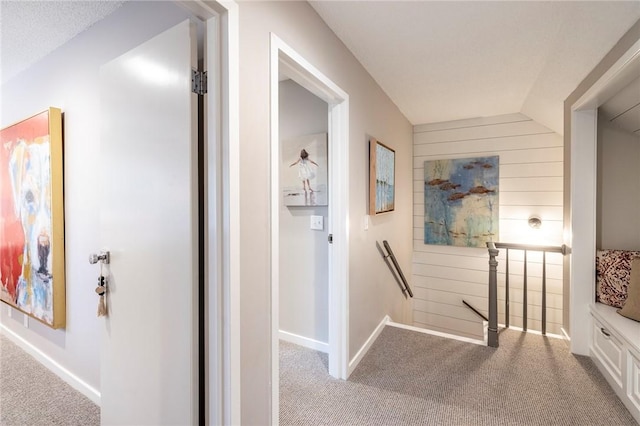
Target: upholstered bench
615,339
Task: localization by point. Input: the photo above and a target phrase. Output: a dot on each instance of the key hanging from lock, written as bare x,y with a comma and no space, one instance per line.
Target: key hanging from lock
101,290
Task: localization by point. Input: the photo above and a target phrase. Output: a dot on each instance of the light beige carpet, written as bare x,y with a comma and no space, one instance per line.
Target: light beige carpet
410,378
32,395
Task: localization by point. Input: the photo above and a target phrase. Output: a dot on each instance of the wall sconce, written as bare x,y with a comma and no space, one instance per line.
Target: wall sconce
535,222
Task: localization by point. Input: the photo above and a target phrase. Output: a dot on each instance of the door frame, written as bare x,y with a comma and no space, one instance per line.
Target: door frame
286,60
583,190
222,210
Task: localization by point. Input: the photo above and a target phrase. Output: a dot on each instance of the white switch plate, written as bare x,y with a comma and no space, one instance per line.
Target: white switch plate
317,223
26,321
9,311
366,222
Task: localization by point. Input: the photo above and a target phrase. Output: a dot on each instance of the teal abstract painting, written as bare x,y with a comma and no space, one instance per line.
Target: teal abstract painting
461,201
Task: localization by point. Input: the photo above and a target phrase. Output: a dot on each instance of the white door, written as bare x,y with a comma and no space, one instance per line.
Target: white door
149,224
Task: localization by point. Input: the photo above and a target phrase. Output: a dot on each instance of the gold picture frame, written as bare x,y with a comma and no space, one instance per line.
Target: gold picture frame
32,271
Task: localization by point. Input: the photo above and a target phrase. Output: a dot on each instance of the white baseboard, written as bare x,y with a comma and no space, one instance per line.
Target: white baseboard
565,335
367,345
438,333
304,341
485,332
44,359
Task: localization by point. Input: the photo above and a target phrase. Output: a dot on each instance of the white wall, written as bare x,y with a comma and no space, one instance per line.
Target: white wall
530,184
304,253
618,197
68,79
372,292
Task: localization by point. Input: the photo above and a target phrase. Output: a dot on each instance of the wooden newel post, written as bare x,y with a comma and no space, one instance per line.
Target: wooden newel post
493,295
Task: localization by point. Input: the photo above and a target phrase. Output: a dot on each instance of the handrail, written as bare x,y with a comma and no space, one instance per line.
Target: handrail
532,247
390,254
493,284
475,311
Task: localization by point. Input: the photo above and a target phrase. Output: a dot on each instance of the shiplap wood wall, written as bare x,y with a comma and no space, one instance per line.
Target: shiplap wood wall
531,169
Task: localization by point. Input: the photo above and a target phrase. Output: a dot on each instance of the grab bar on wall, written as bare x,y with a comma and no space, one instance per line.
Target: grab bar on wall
405,285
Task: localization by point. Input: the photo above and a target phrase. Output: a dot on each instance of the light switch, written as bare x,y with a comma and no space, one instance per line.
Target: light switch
366,222
317,223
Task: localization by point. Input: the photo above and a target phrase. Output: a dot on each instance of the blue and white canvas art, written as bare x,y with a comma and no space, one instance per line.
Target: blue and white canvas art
461,201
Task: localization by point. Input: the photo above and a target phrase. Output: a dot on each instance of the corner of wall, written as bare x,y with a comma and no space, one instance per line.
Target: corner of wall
367,345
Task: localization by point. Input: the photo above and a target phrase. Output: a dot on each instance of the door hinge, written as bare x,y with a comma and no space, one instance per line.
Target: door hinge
330,238
199,82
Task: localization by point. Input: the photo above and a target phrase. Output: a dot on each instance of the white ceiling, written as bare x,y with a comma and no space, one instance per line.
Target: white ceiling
437,61
443,61
29,30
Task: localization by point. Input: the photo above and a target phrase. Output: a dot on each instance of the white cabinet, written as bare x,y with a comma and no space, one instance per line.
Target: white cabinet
609,350
633,384
615,348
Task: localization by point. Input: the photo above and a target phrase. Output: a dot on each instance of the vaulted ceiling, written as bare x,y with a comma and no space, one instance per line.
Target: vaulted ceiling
437,61
442,61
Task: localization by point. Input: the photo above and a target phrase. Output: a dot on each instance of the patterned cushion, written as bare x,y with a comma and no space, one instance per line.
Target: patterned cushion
613,271
631,307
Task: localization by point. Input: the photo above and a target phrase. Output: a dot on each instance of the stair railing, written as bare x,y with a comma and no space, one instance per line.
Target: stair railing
493,285
492,337
475,311
398,271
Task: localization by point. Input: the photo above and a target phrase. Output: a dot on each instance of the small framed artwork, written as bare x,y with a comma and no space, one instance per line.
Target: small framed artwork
382,169
304,171
32,275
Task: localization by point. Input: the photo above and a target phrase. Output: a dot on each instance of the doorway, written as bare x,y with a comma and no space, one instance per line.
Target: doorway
287,63
582,215
303,128
202,382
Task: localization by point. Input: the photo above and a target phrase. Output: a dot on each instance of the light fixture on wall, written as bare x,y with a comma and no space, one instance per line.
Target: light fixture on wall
535,222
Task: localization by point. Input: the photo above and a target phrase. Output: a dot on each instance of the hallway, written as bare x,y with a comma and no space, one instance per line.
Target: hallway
409,378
